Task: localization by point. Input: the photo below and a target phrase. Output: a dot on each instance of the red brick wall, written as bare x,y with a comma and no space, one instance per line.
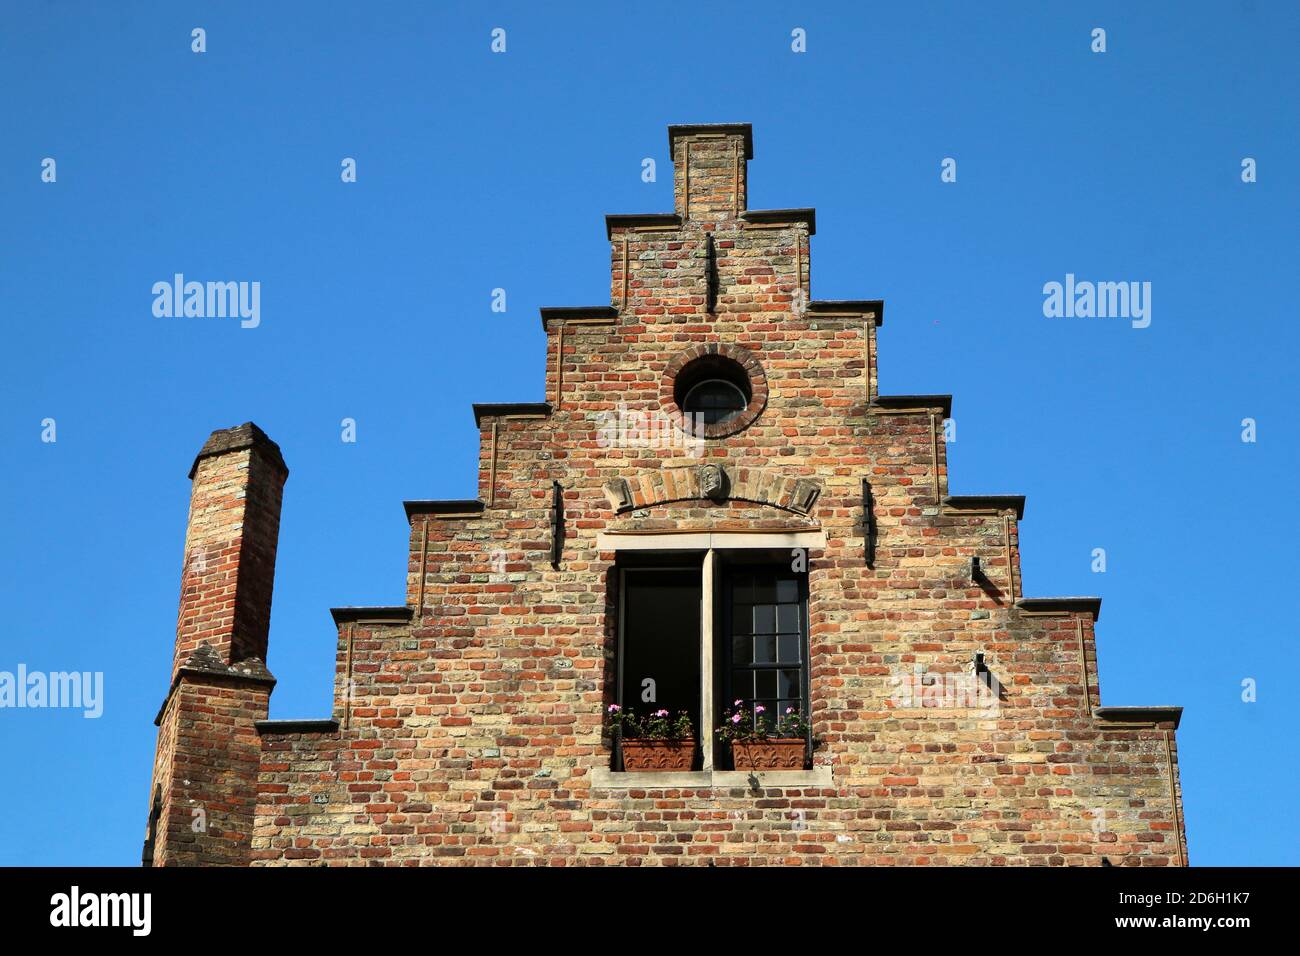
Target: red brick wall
471,732
210,781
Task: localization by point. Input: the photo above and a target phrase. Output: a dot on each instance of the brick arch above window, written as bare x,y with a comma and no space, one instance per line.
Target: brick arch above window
744,358
769,486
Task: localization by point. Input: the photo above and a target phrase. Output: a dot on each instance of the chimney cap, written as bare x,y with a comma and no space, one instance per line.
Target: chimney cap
247,435
723,129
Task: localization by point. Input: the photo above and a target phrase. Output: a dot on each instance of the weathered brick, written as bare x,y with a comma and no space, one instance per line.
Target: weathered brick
469,721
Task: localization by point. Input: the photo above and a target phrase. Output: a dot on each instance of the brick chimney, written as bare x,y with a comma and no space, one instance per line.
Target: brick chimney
710,166
230,543
204,787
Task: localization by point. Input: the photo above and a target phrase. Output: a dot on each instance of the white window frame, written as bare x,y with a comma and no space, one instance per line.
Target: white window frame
710,542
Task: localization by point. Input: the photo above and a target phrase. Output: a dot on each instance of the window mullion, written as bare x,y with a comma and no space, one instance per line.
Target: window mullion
707,591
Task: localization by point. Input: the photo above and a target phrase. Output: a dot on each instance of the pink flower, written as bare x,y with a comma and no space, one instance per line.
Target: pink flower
661,713
759,709
737,703
614,708
789,710
735,718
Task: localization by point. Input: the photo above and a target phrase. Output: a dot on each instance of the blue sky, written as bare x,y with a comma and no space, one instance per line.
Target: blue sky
479,170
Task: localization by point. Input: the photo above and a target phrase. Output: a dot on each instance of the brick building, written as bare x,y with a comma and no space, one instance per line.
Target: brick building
713,502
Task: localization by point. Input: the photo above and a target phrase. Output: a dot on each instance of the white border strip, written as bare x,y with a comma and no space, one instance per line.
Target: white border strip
707,540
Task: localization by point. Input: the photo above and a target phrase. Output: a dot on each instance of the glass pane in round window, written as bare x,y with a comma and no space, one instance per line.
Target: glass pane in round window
714,400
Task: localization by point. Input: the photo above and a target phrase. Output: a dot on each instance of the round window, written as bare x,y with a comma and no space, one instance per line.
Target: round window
714,400
713,390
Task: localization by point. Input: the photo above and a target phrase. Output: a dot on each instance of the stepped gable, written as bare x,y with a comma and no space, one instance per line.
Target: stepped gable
706,498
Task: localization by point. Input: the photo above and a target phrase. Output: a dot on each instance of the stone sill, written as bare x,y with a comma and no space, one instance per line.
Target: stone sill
605,779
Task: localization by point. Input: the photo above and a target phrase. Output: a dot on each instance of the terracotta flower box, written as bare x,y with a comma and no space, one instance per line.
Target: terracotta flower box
774,753
640,756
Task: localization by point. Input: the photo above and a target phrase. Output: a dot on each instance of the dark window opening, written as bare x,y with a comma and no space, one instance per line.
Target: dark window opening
759,636
659,662
714,400
713,388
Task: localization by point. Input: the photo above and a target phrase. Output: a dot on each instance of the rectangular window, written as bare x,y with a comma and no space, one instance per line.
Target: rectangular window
659,664
750,607
766,632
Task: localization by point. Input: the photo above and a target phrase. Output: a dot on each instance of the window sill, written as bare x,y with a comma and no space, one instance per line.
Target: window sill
605,779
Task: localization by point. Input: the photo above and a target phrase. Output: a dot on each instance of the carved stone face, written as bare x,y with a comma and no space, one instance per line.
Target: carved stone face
712,482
